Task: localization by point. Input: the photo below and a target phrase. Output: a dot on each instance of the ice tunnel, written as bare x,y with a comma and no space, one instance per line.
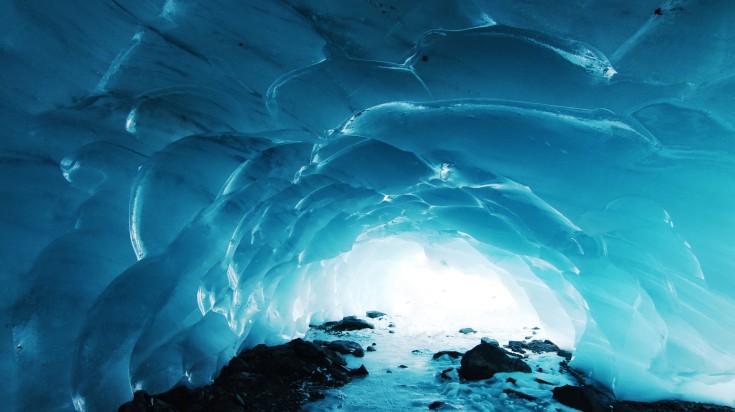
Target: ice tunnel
183,179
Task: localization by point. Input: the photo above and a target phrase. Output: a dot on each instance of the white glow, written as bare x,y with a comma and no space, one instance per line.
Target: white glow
433,289
437,293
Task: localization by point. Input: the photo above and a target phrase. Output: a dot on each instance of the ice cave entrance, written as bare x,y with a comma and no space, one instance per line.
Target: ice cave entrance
439,288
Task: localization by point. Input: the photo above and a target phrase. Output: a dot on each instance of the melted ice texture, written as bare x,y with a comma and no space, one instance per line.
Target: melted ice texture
184,179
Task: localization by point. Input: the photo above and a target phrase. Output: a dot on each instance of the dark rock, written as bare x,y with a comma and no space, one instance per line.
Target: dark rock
236,365
264,378
668,406
578,377
403,366
511,380
535,346
374,314
298,358
517,355
347,323
180,396
436,405
346,347
391,325
451,353
492,342
445,374
370,349
520,395
361,371
485,360
143,402
467,331
591,399
241,401
564,354
306,350
517,346
543,382
585,398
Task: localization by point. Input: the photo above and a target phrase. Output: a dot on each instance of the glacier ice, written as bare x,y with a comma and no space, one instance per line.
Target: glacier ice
181,180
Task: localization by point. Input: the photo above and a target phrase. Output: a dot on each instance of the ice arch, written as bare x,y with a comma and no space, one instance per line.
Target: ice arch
187,178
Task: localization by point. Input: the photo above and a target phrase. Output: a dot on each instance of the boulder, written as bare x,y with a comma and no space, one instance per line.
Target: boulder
347,323
485,360
361,371
277,378
374,314
345,347
585,398
451,353
517,346
535,346
490,341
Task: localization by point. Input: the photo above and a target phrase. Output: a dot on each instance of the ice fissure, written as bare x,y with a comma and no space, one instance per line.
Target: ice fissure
183,180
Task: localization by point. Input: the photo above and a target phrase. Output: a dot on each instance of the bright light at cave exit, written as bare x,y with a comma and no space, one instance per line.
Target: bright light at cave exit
437,289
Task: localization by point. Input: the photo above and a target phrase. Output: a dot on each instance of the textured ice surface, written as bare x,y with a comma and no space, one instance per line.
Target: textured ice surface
181,180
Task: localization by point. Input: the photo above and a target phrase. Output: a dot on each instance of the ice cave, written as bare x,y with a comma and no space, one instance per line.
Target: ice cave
184,179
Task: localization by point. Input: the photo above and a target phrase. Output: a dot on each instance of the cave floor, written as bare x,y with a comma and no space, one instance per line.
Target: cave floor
404,375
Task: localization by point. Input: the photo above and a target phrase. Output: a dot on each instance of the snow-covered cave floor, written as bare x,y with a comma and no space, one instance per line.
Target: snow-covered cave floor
404,375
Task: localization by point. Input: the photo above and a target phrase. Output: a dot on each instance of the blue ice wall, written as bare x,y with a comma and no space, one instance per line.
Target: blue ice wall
176,174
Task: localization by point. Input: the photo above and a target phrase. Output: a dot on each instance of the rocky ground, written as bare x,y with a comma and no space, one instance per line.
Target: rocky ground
531,374
278,378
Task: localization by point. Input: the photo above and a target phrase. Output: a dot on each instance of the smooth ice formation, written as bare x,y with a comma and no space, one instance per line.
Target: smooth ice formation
181,180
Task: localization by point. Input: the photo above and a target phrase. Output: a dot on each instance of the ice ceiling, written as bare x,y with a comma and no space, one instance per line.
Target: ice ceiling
181,179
